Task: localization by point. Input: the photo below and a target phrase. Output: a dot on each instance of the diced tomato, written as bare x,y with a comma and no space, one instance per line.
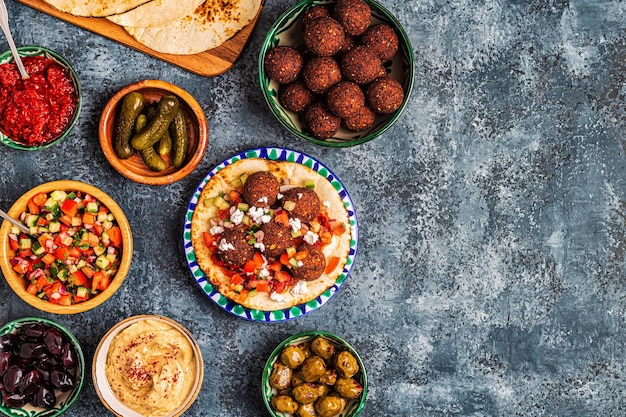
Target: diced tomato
115,235
78,278
276,266
281,217
279,287
282,276
32,207
89,218
41,221
64,300
255,263
224,214
32,289
40,199
42,282
78,299
101,281
301,255
14,244
263,286
236,279
48,258
209,239
326,237
43,239
21,268
69,207
54,291
284,258
66,219
75,252
331,264
339,228
88,271
98,229
62,253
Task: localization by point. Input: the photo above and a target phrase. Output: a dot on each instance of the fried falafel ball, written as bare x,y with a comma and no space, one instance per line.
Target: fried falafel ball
313,264
295,96
345,99
321,73
313,13
320,121
361,65
283,64
302,203
276,239
385,95
382,40
261,189
354,16
233,247
324,36
363,119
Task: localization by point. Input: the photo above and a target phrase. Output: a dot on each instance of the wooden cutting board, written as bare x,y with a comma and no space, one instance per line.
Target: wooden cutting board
209,63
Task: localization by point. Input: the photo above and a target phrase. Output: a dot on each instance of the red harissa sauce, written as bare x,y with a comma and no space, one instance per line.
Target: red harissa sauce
36,110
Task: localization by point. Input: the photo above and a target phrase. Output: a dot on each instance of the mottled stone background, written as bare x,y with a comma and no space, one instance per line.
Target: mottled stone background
490,274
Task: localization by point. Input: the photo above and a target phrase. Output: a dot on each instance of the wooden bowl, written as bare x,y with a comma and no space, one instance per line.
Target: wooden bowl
101,356
19,284
134,168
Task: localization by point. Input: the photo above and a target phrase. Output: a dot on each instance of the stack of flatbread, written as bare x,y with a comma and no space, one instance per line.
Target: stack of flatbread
182,27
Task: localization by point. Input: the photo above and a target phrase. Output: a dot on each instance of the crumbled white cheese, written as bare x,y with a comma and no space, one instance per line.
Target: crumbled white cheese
224,245
236,215
279,196
299,288
263,200
260,246
295,224
264,273
258,214
279,298
310,237
216,230
326,203
266,218
299,196
300,263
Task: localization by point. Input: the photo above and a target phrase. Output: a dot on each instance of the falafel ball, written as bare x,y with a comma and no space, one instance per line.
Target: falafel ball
313,264
345,99
283,64
233,247
320,121
261,189
295,96
382,40
313,13
361,65
354,16
363,119
307,203
276,239
385,95
324,36
320,73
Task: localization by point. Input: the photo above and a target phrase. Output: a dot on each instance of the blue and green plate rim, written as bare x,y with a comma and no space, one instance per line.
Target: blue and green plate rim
280,315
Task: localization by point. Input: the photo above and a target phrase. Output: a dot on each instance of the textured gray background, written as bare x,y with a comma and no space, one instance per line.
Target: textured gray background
490,274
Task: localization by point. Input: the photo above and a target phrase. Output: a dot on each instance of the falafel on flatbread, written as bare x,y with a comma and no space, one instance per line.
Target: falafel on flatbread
207,27
206,217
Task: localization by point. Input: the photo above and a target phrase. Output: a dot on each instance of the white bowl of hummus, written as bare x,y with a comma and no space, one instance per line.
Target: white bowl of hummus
147,366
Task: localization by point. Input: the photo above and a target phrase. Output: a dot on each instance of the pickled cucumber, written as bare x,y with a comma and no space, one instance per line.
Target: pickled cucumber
167,110
132,104
180,139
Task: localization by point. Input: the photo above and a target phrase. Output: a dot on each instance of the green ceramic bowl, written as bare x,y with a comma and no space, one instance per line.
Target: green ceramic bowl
287,30
27,51
63,399
353,406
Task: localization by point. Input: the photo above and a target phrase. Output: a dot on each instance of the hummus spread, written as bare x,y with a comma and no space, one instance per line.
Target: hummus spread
150,367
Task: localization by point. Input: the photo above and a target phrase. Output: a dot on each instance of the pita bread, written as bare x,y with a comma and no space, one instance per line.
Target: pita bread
296,174
208,26
95,8
156,13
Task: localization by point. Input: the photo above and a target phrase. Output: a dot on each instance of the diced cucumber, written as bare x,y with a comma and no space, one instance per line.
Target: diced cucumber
243,178
291,250
81,291
71,195
208,202
293,262
289,205
54,227
220,203
236,183
76,221
25,243
296,233
31,220
36,248
309,183
102,217
62,275
72,268
102,262
111,257
58,195
92,207
99,250
81,264
315,226
243,207
15,230
53,207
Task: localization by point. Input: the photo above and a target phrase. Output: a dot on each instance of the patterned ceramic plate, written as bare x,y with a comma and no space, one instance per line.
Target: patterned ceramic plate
276,154
63,399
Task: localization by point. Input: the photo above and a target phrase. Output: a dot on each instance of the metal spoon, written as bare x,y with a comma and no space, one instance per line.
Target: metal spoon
4,24
11,220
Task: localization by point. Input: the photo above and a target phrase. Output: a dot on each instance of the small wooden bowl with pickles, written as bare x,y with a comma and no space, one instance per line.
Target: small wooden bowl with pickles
155,164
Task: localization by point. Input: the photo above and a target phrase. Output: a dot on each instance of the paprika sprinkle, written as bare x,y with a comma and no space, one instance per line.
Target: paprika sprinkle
35,111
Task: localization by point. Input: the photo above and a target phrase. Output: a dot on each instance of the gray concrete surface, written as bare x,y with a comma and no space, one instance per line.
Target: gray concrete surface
490,274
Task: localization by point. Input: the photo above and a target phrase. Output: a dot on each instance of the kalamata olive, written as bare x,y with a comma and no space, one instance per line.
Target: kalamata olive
34,331
44,397
44,372
6,359
30,350
61,380
12,378
8,342
46,360
68,356
15,400
53,340
30,383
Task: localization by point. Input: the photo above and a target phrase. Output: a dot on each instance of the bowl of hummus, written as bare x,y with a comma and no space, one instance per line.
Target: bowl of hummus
146,366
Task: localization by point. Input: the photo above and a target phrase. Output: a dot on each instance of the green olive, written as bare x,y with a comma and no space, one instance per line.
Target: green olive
348,388
280,377
305,393
313,368
329,405
329,377
346,364
292,357
322,348
306,410
284,404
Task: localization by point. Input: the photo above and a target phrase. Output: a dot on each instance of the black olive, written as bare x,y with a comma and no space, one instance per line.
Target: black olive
30,383
6,359
68,356
61,380
12,378
33,331
15,400
46,360
31,350
54,341
8,342
44,397
44,372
